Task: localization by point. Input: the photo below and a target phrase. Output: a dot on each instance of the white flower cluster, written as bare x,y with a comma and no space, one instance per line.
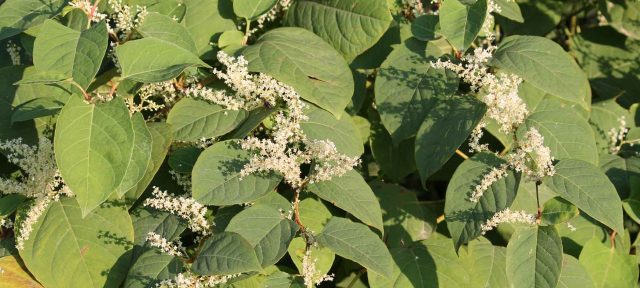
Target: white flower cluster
125,19
500,90
6,223
272,15
90,9
26,225
532,157
186,208
493,176
38,166
476,135
288,147
310,273
508,216
170,248
617,135
153,97
14,52
189,280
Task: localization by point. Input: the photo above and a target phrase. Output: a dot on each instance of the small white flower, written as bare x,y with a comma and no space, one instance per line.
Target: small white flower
190,280
488,179
170,248
508,216
14,52
310,273
186,208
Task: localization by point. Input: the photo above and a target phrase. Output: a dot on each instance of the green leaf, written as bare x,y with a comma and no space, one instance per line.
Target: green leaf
14,275
481,259
568,135
19,15
36,108
226,253
407,89
251,9
93,145
162,138
414,267
605,116
403,216
167,61
356,242
396,162
351,193
151,268
147,220
465,217
268,232
322,125
510,10
534,257
314,214
183,159
206,20
305,62
92,248
573,274
194,119
139,157
446,127
9,203
461,23
558,210
351,26
544,64
585,186
324,255
426,27
608,267
156,25
216,177
75,54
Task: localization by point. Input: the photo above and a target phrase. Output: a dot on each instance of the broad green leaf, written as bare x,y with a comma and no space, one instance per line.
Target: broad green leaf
624,16
183,159
251,9
324,255
193,119
461,23
322,125
407,89
568,135
403,216
608,267
414,267
91,138
510,9
426,27
351,193
605,117
350,26
162,27
281,280
583,228
75,54
585,186
139,157
268,232
14,275
9,203
314,214
162,138
147,220
465,217
167,61
216,177
91,248
19,15
356,242
558,210
446,127
395,161
305,62
573,274
151,268
534,257
206,20
36,108
484,263
544,64
226,253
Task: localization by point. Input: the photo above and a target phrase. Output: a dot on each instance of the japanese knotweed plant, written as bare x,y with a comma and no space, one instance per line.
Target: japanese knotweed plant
329,143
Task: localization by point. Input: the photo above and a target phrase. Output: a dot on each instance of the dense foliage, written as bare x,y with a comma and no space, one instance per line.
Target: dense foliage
332,143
